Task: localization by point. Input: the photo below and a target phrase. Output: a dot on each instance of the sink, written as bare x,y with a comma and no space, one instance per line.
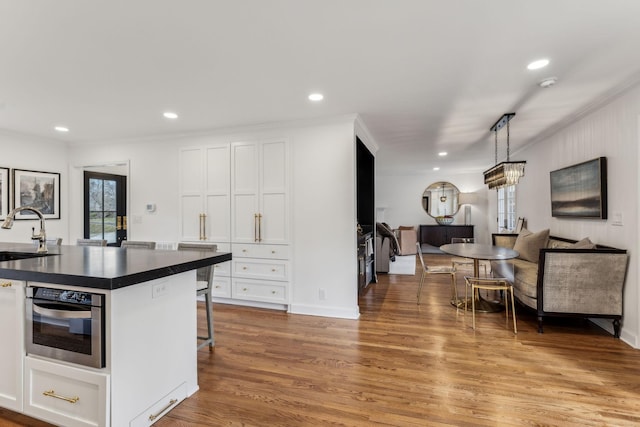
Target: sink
12,256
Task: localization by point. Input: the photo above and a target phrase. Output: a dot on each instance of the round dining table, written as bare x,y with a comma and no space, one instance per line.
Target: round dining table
477,252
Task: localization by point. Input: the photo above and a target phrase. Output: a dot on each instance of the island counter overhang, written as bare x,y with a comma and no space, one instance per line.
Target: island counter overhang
106,268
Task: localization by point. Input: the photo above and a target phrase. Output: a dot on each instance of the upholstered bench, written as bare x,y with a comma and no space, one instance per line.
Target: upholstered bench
562,277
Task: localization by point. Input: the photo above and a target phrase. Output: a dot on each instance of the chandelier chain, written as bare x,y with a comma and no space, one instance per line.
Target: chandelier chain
507,141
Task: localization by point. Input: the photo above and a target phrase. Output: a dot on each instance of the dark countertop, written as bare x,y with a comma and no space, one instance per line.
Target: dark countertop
102,267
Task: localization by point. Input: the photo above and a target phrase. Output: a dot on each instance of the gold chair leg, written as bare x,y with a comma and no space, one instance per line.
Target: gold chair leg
513,310
473,306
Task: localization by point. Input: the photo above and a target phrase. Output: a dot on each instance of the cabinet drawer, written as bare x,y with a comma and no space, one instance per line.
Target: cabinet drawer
221,287
66,395
261,269
161,407
246,250
222,269
259,291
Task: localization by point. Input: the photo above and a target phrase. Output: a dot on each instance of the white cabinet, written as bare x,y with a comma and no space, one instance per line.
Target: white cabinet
259,192
66,395
12,343
237,196
260,221
204,194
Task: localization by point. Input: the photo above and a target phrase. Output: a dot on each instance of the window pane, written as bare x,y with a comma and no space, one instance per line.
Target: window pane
110,226
95,194
109,195
95,225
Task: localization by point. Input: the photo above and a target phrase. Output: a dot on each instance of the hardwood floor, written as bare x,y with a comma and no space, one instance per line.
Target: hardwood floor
402,364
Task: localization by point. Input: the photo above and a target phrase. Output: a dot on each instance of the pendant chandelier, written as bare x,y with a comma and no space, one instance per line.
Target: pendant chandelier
443,197
505,173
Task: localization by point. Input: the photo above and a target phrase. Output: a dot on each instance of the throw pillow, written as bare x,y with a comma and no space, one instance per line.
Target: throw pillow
585,243
528,244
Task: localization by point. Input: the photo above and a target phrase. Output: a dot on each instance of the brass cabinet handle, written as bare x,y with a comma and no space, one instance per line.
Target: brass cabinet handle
52,393
255,227
124,222
244,289
118,222
6,285
273,269
203,226
156,415
259,227
273,292
244,268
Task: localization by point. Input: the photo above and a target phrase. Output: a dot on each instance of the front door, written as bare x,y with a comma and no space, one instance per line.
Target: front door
105,215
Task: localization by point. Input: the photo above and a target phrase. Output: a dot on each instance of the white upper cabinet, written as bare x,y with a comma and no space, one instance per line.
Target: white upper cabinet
204,194
259,191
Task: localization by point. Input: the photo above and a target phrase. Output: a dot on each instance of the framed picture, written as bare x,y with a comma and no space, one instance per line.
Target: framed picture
580,190
39,190
4,192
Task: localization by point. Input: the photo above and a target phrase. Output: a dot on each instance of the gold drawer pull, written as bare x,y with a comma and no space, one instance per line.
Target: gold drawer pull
171,403
274,270
6,285
218,286
273,292
244,268
52,393
244,289
244,250
273,252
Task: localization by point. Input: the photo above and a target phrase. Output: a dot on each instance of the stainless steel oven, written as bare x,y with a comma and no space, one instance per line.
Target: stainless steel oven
66,325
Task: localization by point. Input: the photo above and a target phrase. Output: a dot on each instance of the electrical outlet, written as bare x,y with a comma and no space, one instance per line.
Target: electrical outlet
158,290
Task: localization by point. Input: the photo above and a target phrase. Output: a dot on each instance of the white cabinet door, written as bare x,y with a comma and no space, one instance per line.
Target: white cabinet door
259,189
12,343
204,194
245,191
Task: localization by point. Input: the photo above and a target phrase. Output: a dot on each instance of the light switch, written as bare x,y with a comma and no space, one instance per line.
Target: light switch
616,219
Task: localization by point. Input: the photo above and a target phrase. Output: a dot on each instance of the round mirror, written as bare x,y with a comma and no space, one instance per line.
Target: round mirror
441,199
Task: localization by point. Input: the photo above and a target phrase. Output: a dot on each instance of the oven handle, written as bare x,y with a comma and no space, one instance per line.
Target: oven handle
61,314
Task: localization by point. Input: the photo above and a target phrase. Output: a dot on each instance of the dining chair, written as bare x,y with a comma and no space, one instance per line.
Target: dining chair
436,270
460,261
137,244
204,285
490,284
91,242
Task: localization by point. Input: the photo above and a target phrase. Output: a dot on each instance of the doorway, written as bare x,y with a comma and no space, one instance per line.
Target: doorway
105,207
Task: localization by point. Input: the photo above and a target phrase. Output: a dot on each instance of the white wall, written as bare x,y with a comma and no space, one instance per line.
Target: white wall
399,200
323,202
43,155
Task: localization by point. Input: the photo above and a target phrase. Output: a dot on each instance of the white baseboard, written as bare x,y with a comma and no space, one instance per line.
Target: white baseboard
313,310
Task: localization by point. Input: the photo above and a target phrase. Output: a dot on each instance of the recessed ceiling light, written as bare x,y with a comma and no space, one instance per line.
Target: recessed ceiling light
442,153
170,115
316,97
436,168
540,63
61,129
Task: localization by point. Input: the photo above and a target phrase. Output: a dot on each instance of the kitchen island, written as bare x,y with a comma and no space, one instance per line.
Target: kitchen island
149,344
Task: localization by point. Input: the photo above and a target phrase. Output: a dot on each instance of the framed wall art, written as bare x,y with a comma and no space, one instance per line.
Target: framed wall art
580,190
4,192
39,190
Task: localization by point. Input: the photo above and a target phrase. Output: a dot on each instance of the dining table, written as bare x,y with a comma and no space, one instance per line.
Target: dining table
477,252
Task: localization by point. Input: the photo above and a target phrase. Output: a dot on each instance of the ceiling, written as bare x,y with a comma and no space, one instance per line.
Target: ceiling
424,75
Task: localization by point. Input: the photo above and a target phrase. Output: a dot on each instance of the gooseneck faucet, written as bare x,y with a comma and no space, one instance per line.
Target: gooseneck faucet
40,237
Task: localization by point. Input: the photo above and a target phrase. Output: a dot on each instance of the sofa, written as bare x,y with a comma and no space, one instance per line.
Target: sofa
561,277
391,242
